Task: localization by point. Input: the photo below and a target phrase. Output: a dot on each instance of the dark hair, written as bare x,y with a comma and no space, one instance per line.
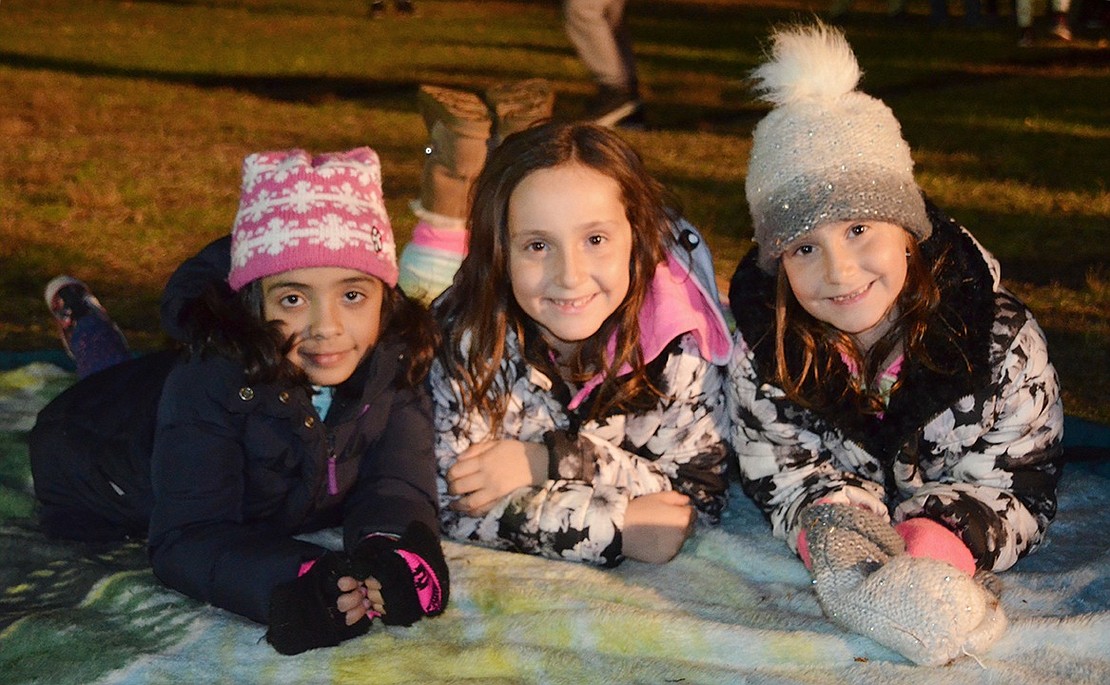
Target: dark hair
479,309
231,324
808,352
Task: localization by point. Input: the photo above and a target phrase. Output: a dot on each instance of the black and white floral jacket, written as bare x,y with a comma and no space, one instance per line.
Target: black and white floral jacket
598,466
978,452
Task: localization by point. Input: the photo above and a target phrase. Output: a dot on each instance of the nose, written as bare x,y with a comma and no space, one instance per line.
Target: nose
569,269
840,264
325,320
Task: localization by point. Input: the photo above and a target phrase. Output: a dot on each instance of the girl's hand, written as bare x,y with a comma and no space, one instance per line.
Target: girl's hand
656,526
488,471
359,598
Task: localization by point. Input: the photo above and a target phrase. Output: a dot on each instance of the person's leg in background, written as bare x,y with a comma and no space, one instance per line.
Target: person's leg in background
597,31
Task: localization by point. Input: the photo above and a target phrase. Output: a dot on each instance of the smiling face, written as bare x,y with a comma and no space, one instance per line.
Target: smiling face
570,246
849,275
333,315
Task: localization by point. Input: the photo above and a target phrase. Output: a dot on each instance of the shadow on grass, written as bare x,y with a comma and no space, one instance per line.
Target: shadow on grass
286,88
1079,354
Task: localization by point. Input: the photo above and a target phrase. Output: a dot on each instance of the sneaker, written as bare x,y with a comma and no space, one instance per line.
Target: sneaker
404,7
1060,30
635,121
377,8
68,300
611,106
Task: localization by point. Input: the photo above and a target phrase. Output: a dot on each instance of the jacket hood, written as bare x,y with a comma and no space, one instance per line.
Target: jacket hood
682,298
189,281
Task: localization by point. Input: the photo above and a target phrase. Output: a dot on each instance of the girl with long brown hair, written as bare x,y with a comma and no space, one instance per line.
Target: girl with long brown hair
895,415
578,393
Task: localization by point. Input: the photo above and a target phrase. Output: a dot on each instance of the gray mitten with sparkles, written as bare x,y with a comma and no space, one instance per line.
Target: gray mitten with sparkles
925,609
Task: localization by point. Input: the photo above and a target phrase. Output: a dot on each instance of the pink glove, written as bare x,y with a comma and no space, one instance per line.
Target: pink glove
928,539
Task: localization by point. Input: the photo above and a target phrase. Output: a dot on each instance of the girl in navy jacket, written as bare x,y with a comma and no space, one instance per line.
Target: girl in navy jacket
299,406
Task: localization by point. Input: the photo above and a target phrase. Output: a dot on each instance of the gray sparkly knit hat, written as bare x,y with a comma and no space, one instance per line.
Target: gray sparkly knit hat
826,152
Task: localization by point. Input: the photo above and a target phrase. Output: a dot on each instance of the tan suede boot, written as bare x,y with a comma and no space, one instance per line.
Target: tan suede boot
516,105
459,126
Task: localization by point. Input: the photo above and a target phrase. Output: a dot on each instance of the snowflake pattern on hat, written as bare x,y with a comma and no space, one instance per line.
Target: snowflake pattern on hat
298,211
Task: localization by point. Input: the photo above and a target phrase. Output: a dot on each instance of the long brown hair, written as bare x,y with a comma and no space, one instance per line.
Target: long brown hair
479,309
809,352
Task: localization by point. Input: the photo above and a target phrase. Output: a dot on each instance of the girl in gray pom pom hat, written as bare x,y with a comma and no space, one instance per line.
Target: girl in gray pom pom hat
894,411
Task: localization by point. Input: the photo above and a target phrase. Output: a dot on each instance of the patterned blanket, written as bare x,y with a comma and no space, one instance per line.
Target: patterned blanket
735,606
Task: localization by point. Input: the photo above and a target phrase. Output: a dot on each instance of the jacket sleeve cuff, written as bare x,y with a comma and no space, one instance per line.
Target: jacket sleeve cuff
566,459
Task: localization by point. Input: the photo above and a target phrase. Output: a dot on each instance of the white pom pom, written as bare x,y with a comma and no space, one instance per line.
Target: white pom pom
807,63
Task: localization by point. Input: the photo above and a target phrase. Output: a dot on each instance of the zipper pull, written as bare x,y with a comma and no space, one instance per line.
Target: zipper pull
333,482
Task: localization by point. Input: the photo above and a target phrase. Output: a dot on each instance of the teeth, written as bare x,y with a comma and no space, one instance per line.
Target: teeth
841,298
572,303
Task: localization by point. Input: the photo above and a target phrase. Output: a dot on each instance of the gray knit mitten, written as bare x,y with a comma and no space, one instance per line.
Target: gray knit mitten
924,609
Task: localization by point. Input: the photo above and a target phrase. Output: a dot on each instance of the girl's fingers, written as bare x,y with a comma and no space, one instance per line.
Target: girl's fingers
477,450
474,504
347,583
676,498
462,472
355,615
349,601
374,598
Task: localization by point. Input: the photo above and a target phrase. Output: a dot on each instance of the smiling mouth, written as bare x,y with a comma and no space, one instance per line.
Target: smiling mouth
852,296
571,305
323,358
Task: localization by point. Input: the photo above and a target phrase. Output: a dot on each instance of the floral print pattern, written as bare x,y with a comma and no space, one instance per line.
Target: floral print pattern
680,445
979,454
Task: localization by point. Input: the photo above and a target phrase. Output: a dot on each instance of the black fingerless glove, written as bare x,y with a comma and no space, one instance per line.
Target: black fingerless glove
412,572
303,614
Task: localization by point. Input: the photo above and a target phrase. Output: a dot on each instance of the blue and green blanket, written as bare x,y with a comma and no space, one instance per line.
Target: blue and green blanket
734,607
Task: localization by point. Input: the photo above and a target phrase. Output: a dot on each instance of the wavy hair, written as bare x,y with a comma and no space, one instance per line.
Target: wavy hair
478,311
809,352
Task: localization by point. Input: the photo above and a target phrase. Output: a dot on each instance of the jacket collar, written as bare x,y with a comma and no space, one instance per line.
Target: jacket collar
677,302
369,380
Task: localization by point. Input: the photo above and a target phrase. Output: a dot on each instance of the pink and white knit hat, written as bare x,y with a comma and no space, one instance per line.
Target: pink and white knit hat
299,211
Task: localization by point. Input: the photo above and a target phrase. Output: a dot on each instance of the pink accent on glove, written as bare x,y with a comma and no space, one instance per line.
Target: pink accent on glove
928,539
424,580
803,549
306,567
803,541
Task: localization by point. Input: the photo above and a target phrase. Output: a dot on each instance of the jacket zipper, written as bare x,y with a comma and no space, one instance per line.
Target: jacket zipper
333,482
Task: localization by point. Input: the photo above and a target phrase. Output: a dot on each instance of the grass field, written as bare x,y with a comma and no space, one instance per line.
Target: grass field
123,124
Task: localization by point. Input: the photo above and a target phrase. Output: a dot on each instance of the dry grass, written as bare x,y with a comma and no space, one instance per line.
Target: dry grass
123,125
